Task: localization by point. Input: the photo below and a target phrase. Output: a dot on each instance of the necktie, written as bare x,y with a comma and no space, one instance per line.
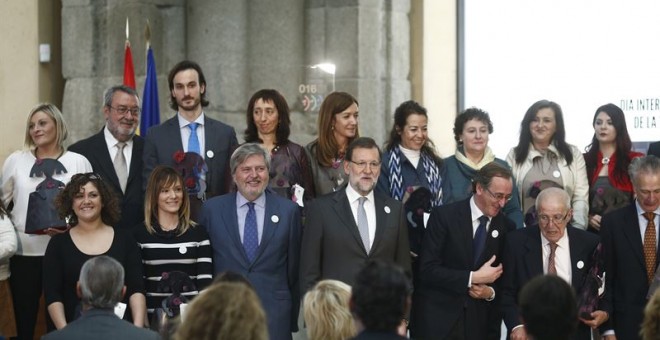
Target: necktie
479,240
120,166
250,233
649,245
363,224
552,269
193,141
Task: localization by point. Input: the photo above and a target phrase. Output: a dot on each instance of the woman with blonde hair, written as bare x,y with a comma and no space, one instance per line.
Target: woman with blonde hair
326,311
226,310
651,325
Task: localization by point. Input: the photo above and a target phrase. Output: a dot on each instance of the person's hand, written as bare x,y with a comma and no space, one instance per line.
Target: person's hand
481,291
54,231
487,273
519,334
599,317
594,221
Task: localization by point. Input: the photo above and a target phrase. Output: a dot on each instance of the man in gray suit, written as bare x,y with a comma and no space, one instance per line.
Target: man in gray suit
347,228
191,131
101,287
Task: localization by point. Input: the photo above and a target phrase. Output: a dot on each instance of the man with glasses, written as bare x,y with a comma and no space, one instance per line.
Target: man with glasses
355,224
115,152
553,247
460,262
630,243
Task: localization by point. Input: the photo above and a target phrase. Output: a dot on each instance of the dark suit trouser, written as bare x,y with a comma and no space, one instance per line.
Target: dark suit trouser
25,282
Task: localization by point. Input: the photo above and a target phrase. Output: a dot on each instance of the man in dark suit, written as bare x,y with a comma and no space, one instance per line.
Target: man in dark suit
528,253
346,228
630,238
115,152
100,288
380,299
654,149
256,233
191,131
459,262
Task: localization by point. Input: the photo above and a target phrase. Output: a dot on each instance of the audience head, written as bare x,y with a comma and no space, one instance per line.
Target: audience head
548,308
472,128
380,297
187,75
166,193
250,166
645,175
362,164
651,325
101,282
121,108
338,118
553,207
267,113
543,124
45,126
226,310
326,311
88,189
492,186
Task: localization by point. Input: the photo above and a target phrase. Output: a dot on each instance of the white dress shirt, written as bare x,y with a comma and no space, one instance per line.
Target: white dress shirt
369,208
562,257
111,142
643,222
185,132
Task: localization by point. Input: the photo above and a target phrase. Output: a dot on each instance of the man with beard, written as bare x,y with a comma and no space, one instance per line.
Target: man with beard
191,131
256,233
355,224
115,152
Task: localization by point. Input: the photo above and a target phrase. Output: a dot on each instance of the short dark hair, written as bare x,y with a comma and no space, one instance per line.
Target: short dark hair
548,308
468,115
283,121
380,296
182,66
484,176
110,212
361,143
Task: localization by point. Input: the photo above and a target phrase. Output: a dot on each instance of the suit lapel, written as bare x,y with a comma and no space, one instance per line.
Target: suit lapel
382,217
534,257
577,255
465,224
173,130
493,238
269,226
632,233
345,215
103,159
136,160
230,221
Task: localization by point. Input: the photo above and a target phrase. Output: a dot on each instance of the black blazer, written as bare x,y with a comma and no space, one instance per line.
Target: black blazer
164,140
331,247
523,261
654,149
626,281
446,260
95,149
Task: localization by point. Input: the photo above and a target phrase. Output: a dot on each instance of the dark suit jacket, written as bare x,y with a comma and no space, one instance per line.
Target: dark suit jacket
164,140
95,149
654,149
371,335
523,261
626,281
446,260
274,272
332,247
100,324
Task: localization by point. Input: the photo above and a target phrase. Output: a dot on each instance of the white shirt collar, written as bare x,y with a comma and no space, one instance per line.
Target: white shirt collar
241,200
111,141
562,243
475,211
183,122
354,195
641,211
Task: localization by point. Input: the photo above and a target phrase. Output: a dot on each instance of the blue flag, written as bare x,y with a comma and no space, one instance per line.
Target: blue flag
150,110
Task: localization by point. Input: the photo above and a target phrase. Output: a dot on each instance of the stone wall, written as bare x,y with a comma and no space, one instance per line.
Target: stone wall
242,46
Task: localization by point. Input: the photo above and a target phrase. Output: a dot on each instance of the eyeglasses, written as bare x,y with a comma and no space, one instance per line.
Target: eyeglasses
123,109
499,197
86,176
363,165
545,219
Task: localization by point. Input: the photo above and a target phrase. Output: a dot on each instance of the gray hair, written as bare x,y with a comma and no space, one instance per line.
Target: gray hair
101,282
110,92
553,193
649,164
246,150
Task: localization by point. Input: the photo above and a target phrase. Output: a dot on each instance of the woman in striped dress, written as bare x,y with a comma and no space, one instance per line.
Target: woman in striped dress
176,252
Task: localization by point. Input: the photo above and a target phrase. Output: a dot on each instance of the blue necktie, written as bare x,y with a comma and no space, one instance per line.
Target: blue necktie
250,233
193,141
479,240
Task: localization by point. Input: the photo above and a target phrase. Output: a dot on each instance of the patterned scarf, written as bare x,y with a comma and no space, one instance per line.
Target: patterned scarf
431,172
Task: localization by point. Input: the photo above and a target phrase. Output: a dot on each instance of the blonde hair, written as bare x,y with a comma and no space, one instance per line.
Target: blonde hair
165,177
326,311
651,325
226,310
60,125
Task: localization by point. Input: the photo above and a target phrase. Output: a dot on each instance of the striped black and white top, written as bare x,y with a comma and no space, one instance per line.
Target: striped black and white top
165,252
